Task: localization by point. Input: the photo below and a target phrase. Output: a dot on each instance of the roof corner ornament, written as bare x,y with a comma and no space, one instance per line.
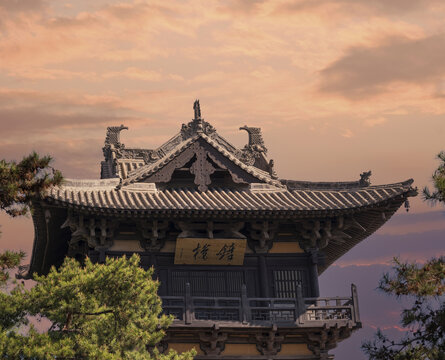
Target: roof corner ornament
112,146
407,205
197,125
256,141
114,135
365,178
253,150
272,171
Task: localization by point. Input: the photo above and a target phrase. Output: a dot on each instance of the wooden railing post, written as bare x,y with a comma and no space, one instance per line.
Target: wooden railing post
188,304
300,308
355,310
245,309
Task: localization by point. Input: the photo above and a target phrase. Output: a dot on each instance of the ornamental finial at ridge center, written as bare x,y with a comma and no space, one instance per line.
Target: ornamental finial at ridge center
197,109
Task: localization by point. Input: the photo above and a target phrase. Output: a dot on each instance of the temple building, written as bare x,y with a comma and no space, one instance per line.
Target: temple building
238,250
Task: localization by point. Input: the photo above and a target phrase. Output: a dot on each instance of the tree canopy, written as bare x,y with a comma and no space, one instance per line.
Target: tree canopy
19,184
438,177
424,320
425,286
84,311
95,311
23,181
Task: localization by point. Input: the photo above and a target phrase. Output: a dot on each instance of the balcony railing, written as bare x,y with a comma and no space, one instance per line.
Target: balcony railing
296,311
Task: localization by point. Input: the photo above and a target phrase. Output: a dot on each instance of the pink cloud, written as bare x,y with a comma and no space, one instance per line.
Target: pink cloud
23,5
367,71
363,7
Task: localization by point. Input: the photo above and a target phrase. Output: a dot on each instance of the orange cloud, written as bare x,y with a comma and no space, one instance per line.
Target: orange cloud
47,39
363,7
23,5
367,71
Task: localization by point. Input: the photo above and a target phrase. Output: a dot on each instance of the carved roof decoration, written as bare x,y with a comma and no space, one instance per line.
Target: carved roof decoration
135,164
203,147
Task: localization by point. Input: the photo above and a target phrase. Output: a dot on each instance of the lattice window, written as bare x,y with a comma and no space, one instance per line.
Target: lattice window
207,283
286,281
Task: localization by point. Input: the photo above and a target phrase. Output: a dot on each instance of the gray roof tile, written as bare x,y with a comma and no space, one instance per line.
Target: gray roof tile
217,199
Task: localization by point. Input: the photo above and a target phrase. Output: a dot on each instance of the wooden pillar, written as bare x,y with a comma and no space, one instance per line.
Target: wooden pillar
356,311
313,274
300,307
264,279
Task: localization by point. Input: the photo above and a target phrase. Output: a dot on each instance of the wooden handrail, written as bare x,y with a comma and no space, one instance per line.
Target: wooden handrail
268,310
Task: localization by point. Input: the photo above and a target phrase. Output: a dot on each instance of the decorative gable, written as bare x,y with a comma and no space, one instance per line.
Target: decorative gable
197,150
201,159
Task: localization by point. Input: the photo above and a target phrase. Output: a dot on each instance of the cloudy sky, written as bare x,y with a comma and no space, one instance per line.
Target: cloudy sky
338,87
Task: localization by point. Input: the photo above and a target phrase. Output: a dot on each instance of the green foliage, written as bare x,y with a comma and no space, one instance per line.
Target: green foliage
425,320
9,260
415,280
438,195
23,181
425,285
19,184
96,311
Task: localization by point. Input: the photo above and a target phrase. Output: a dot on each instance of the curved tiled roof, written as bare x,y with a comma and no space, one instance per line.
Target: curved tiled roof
145,197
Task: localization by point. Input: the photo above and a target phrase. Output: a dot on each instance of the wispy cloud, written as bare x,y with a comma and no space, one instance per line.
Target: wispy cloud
367,71
375,121
347,133
362,7
23,5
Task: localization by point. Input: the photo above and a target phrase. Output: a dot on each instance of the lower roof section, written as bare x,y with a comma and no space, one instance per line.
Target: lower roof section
330,220
105,197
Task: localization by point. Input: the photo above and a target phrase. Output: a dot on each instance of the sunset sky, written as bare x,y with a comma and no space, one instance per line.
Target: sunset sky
338,87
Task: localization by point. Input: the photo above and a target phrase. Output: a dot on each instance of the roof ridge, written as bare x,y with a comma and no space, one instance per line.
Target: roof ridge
254,171
338,185
145,170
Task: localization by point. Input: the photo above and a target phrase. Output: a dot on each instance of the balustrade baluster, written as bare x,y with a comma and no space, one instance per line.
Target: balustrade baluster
245,308
188,305
355,311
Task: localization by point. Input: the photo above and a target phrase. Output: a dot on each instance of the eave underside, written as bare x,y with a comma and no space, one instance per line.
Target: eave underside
366,220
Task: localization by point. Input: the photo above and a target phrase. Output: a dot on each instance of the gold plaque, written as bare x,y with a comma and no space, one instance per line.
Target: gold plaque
194,251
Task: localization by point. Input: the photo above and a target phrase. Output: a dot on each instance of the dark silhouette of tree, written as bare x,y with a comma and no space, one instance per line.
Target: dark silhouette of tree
425,286
19,184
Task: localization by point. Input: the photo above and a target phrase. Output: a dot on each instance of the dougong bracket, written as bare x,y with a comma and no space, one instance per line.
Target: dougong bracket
153,234
269,343
213,342
263,233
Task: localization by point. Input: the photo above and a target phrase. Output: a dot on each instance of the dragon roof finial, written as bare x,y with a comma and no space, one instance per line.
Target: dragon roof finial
113,135
256,141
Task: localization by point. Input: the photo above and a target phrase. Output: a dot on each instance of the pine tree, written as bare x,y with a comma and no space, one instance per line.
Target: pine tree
19,184
94,311
425,286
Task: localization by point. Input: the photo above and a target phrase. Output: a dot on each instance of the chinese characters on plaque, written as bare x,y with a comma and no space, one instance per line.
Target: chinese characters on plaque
210,251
